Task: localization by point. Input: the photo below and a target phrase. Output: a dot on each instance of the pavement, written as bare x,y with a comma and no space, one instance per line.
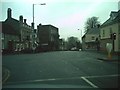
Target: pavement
104,56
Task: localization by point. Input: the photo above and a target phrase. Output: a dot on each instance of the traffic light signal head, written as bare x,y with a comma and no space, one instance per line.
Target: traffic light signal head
113,36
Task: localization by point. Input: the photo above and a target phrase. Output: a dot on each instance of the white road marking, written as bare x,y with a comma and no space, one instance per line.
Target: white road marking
52,79
93,85
114,75
41,80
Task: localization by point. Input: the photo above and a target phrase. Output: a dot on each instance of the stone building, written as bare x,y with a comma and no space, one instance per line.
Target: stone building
91,39
17,34
110,32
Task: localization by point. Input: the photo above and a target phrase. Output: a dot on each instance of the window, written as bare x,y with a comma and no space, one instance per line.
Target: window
2,36
110,30
52,39
103,33
2,41
93,38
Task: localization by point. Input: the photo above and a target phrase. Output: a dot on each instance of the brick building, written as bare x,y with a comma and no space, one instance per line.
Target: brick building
48,36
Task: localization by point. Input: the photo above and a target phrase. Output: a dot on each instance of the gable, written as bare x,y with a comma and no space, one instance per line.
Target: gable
9,29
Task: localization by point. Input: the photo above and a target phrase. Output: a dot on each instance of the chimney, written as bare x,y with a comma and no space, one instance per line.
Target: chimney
25,21
9,12
32,24
37,26
40,24
21,18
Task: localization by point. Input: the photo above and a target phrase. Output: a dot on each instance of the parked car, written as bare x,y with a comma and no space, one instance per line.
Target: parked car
74,49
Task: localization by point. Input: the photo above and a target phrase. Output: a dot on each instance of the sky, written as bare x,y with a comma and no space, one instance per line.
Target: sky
68,15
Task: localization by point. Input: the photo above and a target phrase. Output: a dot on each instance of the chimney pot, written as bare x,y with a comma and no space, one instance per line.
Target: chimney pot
25,21
9,12
32,24
21,18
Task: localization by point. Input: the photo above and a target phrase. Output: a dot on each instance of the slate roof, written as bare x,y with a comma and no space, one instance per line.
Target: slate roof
94,30
10,26
112,21
14,23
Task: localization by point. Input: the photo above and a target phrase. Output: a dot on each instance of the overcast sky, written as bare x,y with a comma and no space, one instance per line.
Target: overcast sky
67,15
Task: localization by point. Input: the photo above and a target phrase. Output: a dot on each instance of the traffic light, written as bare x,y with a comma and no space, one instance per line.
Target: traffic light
113,36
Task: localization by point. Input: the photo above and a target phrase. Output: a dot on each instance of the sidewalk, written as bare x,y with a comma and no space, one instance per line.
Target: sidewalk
104,55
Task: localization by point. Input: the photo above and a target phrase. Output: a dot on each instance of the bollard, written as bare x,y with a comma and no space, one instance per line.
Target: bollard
109,56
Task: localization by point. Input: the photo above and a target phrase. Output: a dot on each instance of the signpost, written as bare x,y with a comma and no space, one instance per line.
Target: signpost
109,49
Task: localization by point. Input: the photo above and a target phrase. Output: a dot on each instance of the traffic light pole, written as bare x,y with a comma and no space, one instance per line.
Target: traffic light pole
113,43
113,37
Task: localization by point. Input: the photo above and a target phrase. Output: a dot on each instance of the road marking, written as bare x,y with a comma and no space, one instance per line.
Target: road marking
30,81
114,75
52,79
93,85
44,80
8,74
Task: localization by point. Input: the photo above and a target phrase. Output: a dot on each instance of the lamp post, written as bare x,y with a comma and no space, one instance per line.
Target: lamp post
80,34
33,25
33,12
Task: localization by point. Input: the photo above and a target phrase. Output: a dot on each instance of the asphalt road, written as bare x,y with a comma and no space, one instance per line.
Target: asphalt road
79,69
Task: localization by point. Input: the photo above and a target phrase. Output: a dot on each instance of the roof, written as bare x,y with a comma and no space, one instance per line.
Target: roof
13,24
114,18
1,26
9,29
94,30
48,25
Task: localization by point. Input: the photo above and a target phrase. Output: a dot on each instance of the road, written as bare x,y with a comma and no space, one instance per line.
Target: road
70,68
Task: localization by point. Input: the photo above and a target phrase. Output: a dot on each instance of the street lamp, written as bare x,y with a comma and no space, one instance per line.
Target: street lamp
33,11
34,38
80,34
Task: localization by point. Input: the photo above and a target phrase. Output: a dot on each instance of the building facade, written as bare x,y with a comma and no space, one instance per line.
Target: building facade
91,39
17,34
62,45
9,37
48,36
110,32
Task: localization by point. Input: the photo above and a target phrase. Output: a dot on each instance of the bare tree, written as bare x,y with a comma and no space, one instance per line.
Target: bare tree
91,23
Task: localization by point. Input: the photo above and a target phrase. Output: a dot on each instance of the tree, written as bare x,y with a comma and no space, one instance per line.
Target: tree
91,23
72,42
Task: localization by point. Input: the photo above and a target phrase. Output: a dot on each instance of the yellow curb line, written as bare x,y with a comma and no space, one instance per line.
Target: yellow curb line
8,74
